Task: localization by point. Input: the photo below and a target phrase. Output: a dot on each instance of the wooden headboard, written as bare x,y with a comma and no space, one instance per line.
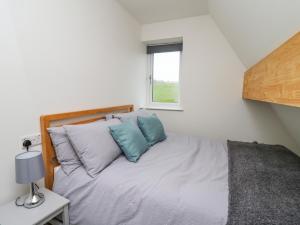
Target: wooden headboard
79,117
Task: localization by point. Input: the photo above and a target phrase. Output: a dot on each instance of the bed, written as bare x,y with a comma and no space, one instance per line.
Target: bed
183,180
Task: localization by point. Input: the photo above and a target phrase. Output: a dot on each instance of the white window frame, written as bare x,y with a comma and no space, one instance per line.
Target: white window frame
161,105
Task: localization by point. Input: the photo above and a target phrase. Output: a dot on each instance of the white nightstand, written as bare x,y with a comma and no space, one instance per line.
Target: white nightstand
54,205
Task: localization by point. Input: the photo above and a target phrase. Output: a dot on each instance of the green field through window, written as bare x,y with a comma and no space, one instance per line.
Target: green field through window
165,92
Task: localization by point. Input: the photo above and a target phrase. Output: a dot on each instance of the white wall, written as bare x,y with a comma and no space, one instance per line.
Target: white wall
254,28
290,117
212,77
61,56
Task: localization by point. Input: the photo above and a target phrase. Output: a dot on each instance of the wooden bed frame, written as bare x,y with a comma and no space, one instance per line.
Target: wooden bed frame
55,120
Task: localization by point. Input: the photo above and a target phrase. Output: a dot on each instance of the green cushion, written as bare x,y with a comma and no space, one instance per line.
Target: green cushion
152,129
130,139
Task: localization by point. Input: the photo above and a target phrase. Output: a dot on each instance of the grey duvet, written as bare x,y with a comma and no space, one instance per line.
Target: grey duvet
181,181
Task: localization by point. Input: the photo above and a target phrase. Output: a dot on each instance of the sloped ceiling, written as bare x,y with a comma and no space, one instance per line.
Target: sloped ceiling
150,11
255,28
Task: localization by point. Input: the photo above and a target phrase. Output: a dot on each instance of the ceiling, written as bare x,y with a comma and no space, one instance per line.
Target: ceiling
151,11
254,28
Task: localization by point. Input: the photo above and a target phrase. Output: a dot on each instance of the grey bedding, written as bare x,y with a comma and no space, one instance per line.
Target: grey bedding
181,181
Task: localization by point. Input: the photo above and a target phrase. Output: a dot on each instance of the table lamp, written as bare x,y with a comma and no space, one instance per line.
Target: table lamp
29,169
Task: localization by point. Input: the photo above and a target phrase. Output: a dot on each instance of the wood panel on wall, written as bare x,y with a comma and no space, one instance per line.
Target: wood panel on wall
276,78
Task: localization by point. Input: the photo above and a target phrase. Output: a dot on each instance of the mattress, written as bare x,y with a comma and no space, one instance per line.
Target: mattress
180,181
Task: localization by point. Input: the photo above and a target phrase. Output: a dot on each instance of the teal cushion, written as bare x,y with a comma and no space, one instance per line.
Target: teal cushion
130,139
152,129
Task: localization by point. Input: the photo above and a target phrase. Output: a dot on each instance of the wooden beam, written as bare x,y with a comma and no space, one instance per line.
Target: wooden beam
276,78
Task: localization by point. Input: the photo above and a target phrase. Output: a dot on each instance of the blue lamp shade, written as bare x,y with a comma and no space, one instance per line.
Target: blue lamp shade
29,167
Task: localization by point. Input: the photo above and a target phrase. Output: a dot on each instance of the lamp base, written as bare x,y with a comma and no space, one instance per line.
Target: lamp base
34,198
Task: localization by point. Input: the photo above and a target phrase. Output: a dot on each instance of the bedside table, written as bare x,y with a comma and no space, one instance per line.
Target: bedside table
54,205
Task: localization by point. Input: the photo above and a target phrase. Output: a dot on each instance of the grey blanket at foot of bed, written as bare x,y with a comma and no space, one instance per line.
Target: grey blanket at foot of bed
264,185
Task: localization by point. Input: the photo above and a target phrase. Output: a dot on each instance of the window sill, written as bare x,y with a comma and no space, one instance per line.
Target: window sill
165,108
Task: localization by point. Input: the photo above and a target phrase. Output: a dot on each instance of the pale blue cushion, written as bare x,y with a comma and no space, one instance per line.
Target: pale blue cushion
130,139
152,129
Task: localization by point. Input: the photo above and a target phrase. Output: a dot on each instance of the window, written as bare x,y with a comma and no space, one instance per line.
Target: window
164,75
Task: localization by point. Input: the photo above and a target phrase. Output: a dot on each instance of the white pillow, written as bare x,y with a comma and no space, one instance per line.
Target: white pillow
129,116
65,153
94,145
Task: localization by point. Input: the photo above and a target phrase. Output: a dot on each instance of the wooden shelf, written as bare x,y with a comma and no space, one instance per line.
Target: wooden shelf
276,78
